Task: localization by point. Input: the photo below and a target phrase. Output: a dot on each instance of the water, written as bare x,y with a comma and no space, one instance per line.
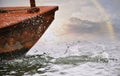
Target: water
24,66
78,59
83,40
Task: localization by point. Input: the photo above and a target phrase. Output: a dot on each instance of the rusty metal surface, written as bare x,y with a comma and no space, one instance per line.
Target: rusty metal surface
33,8
32,3
20,30
11,18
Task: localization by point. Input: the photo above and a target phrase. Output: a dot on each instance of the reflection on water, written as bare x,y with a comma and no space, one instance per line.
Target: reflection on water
82,41
41,64
95,59
26,65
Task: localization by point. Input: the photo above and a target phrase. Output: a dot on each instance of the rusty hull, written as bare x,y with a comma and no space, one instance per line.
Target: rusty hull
20,30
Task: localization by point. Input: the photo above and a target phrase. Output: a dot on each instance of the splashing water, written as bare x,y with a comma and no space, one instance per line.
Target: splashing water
83,20
24,65
99,62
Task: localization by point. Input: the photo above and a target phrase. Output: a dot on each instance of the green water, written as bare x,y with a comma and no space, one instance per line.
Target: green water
40,64
26,65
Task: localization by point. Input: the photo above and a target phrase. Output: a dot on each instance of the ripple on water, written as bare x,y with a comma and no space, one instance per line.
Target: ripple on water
86,63
26,65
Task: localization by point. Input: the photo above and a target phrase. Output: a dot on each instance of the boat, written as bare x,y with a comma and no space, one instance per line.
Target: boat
21,28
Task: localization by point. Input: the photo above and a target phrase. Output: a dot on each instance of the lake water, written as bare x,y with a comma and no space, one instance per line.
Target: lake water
83,40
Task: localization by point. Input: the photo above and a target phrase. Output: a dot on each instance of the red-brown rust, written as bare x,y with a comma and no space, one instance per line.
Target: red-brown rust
20,30
33,10
11,41
11,18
